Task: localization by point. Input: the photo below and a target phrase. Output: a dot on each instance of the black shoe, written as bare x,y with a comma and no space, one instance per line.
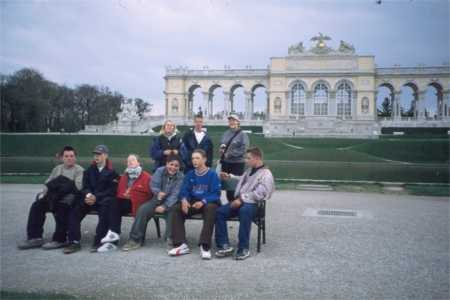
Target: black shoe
72,248
31,243
242,254
94,248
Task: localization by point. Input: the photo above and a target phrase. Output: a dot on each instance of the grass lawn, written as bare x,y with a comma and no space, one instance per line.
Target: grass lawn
403,159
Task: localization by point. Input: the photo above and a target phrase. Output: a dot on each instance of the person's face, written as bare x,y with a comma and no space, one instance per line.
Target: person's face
132,162
198,123
198,161
169,128
173,167
233,123
100,158
69,159
251,160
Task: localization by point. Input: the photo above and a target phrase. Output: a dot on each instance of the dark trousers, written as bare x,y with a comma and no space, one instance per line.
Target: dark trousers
36,220
235,169
246,213
77,214
178,218
117,209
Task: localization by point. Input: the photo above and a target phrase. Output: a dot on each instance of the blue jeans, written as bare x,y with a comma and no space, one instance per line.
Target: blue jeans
246,213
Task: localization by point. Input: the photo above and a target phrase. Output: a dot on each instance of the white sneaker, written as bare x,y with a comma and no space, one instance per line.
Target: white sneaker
180,250
205,254
107,247
110,237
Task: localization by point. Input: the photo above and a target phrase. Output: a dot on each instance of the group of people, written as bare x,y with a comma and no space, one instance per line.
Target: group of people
183,183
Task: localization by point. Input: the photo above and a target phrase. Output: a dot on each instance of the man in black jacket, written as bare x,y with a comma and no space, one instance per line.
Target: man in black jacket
99,190
57,196
197,138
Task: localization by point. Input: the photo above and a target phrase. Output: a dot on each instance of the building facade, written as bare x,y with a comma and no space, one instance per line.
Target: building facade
318,91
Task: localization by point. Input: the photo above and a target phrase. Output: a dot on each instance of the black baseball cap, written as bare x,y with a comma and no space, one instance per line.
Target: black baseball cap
100,149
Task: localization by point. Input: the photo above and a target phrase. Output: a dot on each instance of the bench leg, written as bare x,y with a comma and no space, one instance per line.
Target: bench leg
258,246
158,228
263,223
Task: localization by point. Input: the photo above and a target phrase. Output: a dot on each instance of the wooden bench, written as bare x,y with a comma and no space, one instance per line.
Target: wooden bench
259,221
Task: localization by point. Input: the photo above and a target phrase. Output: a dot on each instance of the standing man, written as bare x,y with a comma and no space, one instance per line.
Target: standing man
255,185
197,138
233,144
60,190
99,190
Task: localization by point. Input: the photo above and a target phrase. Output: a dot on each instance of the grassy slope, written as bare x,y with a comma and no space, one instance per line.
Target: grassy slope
350,159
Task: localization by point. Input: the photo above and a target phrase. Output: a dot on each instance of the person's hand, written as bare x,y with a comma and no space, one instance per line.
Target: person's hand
224,176
198,204
160,209
167,152
175,152
90,199
236,203
161,195
126,195
185,205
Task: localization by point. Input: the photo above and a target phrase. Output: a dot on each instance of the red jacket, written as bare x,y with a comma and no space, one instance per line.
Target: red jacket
140,191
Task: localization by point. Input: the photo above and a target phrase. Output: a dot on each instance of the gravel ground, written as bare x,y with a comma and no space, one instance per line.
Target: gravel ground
397,249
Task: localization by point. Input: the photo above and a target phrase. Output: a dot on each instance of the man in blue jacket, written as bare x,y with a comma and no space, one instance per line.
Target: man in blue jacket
200,193
99,190
197,138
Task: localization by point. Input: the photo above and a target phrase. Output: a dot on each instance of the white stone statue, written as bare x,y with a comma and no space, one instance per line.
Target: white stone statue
128,113
296,49
346,47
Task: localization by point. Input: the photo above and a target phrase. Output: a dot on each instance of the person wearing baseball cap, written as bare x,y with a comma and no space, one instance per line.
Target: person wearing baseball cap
99,190
233,144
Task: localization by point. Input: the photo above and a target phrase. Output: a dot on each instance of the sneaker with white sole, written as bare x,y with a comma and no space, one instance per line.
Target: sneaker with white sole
180,250
107,247
224,251
110,237
242,254
204,254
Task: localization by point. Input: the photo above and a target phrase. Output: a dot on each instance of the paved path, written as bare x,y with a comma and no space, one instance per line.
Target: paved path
398,248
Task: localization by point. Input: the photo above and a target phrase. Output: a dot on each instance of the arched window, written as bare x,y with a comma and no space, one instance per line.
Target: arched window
277,105
175,105
321,99
365,105
298,99
344,99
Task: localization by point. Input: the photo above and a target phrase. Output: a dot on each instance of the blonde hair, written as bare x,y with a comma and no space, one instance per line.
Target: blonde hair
135,155
161,131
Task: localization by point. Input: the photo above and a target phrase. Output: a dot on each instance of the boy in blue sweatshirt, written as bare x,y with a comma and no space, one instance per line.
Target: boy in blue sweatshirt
200,193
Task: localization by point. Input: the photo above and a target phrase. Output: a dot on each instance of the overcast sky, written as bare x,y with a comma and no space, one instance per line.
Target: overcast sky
126,44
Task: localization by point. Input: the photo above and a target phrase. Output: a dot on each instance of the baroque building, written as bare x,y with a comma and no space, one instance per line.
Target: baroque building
318,91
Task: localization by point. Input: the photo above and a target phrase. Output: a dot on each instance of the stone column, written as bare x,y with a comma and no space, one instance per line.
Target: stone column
210,106
420,105
252,105
440,104
446,103
396,105
248,96
226,99
205,104
354,105
332,104
268,106
375,107
309,103
287,96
